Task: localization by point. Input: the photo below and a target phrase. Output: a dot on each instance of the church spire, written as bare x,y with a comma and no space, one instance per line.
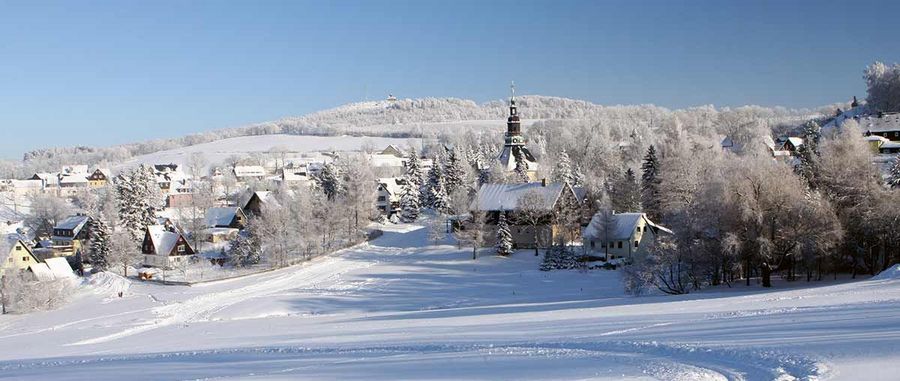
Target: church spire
513,125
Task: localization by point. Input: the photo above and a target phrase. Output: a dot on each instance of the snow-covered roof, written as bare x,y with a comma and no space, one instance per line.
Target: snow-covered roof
497,197
163,240
75,223
624,226
221,216
73,179
249,171
41,271
393,185
872,123
876,138
795,141
60,268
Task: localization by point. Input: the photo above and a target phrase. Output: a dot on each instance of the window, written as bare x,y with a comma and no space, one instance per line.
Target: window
620,244
592,244
18,248
603,244
181,247
635,243
24,259
380,198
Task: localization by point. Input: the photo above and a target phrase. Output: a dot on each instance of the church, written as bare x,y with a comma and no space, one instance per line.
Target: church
514,153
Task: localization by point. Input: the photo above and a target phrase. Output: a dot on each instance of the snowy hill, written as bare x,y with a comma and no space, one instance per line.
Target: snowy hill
393,310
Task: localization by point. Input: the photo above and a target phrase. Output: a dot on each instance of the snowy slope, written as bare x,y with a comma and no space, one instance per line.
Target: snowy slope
218,151
393,310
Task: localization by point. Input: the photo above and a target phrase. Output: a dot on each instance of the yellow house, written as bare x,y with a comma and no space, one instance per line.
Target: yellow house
15,255
99,178
620,235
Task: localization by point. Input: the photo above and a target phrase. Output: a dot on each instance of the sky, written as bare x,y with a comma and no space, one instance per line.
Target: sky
98,73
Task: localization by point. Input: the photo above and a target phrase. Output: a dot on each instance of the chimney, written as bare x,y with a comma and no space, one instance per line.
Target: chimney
543,182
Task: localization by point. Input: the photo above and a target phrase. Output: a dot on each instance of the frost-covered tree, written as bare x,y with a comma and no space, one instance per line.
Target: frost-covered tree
441,201
330,181
504,236
650,185
532,211
100,245
413,171
454,174
564,173
521,170
45,212
625,193
409,201
434,186
883,82
244,250
139,198
894,175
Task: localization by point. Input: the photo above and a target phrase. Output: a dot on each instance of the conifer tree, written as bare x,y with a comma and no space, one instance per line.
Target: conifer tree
521,170
504,236
650,185
625,193
139,198
894,176
435,178
329,181
99,253
414,169
563,171
441,198
454,174
244,251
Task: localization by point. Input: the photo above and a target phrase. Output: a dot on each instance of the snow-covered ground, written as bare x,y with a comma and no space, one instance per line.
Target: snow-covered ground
398,308
219,150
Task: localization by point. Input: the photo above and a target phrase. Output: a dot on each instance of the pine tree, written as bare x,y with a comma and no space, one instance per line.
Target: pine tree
521,167
504,237
894,177
409,199
99,253
329,181
139,198
625,194
244,251
454,175
414,170
650,185
435,177
563,171
807,154
441,198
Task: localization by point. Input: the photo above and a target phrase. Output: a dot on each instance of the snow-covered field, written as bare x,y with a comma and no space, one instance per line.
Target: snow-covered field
391,309
219,150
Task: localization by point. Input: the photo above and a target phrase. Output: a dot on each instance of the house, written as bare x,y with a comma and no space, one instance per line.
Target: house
886,125
170,178
71,235
48,180
620,235
254,206
226,217
99,178
388,198
249,172
165,247
788,144
72,183
494,199
393,151
15,254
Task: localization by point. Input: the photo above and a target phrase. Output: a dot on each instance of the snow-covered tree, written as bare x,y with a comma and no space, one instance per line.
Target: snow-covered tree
45,212
625,193
139,198
330,181
409,201
440,198
883,82
564,173
521,170
504,236
650,185
894,176
244,250
100,246
454,174
532,211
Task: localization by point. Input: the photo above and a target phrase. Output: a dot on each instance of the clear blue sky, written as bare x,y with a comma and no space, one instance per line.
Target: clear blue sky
101,73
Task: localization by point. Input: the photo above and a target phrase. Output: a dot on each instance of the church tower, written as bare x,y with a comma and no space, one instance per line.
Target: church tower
514,150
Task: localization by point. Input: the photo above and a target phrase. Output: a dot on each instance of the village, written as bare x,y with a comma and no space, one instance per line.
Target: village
180,224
